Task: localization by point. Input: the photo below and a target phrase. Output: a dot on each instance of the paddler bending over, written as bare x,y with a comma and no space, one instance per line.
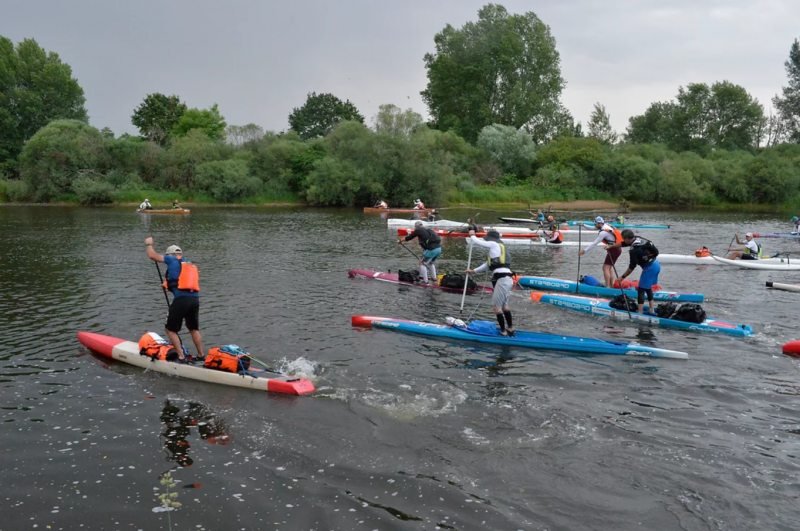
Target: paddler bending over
795,224
381,204
431,245
608,235
644,254
751,250
182,281
499,263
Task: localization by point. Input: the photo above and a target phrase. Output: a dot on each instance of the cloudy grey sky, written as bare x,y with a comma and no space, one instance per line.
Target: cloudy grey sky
259,59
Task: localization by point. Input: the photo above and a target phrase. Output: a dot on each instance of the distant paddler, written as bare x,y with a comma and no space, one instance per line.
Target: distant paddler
608,235
419,205
432,216
796,225
176,206
381,204
751,251
553,236
645,255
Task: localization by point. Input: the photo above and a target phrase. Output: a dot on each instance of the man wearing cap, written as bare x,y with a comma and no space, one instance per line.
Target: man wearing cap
751,251
431,245
499,263
608,235
182,281
796,227
146,205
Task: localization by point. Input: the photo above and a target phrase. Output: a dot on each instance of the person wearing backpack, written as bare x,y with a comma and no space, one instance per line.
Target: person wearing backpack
499,263
183,281
645,255
431,244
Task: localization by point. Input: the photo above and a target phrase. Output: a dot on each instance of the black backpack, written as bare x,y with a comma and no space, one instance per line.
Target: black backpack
456,281
618,303
690,313
407,276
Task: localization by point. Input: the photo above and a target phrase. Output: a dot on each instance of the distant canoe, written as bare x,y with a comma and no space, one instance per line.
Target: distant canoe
396,210
171,211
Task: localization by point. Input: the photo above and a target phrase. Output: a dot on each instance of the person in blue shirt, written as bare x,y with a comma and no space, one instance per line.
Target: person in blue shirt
182,281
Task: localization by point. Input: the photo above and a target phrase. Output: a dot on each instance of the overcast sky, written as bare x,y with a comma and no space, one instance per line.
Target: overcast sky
259,59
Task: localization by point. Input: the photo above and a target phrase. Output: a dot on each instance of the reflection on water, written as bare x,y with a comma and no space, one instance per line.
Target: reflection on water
178,427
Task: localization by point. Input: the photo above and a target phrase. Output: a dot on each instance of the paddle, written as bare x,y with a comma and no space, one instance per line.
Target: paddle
161,279
578,280
466,276
410,251
622,290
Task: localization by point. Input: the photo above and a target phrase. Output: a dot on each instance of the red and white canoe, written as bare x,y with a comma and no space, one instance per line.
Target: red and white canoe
451,234
256,378
392,278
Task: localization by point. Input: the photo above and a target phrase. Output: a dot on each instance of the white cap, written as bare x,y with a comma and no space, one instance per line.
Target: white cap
748,235
174,249
599,220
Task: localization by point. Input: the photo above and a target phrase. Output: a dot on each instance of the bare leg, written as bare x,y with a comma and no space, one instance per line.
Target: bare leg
176,342
198,342
608,275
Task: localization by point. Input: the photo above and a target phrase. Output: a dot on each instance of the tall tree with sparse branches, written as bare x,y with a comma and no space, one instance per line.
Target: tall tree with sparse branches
788,106
600,125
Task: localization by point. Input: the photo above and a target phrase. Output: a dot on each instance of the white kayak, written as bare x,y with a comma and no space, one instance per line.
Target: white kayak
438,224
784,287
686,259
772,264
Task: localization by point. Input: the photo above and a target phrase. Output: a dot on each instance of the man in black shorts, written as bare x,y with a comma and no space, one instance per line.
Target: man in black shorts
182,280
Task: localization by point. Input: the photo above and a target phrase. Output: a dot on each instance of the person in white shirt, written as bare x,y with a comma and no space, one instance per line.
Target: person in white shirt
502,281
608,235
146,205
751,250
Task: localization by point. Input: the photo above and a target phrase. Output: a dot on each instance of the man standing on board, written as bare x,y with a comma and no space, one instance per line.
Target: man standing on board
499,263
431,244
182,280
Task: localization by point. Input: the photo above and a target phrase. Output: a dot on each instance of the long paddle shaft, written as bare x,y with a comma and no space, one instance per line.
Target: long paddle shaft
622,290
578,280
162,283
466,276
412,252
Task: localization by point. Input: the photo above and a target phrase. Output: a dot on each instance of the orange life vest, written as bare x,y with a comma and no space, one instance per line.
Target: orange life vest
613,230
218,359
188,280
156,347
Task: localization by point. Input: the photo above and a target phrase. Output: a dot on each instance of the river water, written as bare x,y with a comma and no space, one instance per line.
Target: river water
403,432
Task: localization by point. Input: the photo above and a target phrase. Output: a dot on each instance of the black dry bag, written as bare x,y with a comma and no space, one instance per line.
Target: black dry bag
618,303
666,309
456,281
690,313
407,276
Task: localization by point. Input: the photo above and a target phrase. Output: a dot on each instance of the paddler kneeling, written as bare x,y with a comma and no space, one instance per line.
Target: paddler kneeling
751,251
644,254
499,263
554,236
182,280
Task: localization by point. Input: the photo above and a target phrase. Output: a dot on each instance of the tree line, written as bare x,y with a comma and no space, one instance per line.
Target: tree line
498,132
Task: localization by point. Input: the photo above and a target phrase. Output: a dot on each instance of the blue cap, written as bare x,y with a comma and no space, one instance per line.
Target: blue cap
599,220
794,218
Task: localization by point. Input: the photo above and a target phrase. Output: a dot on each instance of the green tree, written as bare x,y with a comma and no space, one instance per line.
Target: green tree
59,153
394,121
511,149
208,121
788,106
320,114
502,69
600,125
157,115
35,89
238,136
179,162
722,116
226,180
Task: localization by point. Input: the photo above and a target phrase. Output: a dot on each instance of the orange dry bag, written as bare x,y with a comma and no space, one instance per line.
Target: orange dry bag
229,358
703,251
156,347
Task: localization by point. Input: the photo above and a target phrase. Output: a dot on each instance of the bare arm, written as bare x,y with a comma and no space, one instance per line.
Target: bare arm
151,253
